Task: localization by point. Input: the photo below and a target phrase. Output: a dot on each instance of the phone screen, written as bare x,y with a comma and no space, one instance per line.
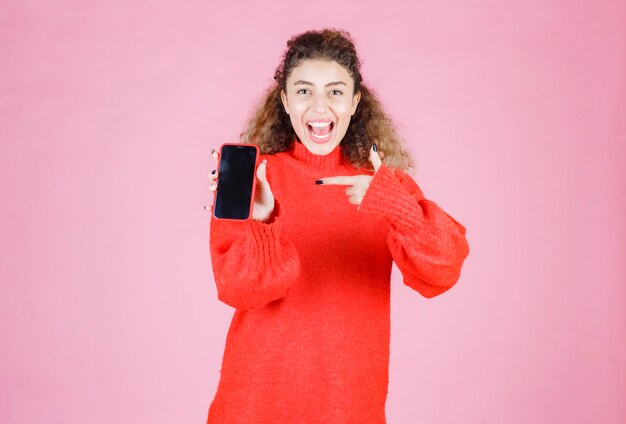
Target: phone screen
235,181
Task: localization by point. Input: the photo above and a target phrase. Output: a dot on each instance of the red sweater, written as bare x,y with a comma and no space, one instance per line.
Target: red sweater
309,339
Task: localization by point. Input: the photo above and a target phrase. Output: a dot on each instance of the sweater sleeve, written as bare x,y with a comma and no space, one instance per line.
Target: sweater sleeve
253,264
427,244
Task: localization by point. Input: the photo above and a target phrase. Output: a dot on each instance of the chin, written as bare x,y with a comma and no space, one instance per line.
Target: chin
320,149
317,148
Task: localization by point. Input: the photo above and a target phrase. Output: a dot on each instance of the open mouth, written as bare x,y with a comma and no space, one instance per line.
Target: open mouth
320,132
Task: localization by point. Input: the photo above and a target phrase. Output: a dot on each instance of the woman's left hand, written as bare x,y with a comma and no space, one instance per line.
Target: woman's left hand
358,184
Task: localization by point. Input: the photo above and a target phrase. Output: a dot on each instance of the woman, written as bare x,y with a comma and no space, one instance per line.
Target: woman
309,275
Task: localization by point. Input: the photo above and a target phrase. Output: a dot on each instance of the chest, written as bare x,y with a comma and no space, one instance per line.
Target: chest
322,223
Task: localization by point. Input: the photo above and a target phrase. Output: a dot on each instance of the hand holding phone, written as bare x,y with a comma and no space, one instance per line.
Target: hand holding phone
239,195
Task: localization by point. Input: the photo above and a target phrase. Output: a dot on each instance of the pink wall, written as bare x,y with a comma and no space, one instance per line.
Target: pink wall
516,113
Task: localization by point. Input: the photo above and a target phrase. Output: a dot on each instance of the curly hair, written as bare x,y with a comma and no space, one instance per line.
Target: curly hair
269,126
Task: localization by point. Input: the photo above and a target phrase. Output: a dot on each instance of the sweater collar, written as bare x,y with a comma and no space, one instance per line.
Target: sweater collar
329,161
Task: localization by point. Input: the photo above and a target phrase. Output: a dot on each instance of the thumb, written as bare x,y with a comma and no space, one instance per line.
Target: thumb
261,172
375,157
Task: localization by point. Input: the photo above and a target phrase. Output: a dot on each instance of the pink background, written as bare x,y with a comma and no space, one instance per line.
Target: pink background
515,112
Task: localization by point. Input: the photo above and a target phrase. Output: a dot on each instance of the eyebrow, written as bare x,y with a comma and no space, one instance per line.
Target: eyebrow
301,82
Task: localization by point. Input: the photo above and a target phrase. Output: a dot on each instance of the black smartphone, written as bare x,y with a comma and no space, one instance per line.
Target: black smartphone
236,181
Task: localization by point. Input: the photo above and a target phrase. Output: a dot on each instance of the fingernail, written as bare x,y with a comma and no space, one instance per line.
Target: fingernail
319,181
375,148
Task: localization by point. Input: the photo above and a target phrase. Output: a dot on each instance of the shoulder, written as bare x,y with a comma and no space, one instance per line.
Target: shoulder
275,158
272,158
276,166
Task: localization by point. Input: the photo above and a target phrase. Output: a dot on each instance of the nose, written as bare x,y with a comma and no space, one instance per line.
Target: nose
319,104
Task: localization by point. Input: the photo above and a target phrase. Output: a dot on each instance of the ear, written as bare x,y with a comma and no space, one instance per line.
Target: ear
355,101
283,98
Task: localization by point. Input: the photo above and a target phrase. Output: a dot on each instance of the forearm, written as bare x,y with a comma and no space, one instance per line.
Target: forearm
426,243
253,264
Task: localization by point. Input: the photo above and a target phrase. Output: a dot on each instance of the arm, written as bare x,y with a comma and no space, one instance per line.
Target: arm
426,243
253,264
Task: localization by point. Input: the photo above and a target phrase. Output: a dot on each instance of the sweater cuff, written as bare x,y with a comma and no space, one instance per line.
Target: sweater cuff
387,197
266,235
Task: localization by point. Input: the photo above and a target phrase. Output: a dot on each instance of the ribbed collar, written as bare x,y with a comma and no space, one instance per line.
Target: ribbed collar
329,161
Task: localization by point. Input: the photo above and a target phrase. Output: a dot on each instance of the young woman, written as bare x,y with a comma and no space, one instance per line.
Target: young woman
309,275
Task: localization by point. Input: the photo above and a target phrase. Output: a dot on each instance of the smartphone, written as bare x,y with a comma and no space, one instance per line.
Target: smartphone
236,181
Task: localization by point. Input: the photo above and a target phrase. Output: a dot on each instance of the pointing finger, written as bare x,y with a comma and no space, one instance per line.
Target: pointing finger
340,180
375,157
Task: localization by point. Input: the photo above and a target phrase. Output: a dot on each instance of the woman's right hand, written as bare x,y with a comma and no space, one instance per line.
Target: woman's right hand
263,196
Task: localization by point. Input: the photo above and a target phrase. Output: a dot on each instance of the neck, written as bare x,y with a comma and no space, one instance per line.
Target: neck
331,160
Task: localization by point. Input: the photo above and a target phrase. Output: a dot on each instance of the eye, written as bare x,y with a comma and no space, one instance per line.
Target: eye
336,92
301,90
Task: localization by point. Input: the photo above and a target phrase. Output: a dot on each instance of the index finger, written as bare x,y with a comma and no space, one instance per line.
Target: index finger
340,180
375,157
215,154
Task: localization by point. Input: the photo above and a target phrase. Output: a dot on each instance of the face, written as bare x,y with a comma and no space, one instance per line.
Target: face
320,103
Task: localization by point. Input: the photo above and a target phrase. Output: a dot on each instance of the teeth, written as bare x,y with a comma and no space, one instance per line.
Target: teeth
319,124
319,136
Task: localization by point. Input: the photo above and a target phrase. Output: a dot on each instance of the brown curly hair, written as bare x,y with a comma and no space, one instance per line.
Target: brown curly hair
269,125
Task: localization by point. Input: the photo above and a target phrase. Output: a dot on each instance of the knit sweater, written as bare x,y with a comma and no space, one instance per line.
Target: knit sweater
309,338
